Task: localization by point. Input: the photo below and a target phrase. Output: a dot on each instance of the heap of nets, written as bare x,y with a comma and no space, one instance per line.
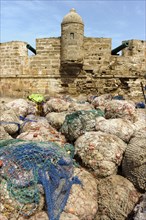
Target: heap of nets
116,198
78,122
27,164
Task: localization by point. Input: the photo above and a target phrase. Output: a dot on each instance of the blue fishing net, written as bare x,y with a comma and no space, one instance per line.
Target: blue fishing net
26,164
140,105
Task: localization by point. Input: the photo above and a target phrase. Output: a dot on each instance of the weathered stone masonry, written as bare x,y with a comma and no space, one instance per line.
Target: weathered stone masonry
73,64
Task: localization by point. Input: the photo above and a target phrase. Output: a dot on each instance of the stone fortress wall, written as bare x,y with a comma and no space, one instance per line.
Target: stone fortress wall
73,64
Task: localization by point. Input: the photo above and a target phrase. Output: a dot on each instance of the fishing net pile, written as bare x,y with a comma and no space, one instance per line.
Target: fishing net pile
28,168
19,105
140,123
56,119
120,109
120,127
10,121
78,106
140,209
114,107
101,139
3,134
56,105
100,152
116,198
3,106
38,128
141,132
42,215
82,201
134,162
100,101
78,122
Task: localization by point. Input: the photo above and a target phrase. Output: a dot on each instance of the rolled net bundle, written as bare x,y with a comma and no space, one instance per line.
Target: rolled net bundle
140,123
76,106
32,108
12,208
27,165
43,216
100,152
140,133
56,119
99,101
38,216
68,216
140,114
134,162
38,129
4,218
10,121
82,201
116,198
19,105
139,212
43,135
56,105
33,123
4,134
120,127
79,122
3,107
120,109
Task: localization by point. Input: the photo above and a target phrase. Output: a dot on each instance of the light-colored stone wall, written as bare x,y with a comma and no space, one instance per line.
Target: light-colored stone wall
13,49
97,53
24,86
136,48
101,73
47,58
13,56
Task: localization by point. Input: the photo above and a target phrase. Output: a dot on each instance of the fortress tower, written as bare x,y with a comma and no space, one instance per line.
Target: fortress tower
72,37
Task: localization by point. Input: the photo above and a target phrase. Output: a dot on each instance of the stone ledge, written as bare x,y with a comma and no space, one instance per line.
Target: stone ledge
39,76
116,76
69,76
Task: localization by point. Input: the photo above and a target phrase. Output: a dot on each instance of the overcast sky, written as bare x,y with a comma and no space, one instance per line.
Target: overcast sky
26,20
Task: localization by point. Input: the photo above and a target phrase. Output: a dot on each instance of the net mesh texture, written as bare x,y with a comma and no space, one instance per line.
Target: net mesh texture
26,164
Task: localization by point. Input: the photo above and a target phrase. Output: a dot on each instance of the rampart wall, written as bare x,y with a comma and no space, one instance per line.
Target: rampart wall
101,73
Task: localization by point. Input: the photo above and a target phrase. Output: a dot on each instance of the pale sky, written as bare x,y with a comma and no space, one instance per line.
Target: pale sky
26,20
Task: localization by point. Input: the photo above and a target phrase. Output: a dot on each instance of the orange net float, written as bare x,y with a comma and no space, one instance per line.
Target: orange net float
1,163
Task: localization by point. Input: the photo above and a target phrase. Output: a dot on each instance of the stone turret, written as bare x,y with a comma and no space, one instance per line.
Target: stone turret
72,35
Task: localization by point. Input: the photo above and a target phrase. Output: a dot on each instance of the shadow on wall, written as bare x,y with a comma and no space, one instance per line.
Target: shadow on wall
68,74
